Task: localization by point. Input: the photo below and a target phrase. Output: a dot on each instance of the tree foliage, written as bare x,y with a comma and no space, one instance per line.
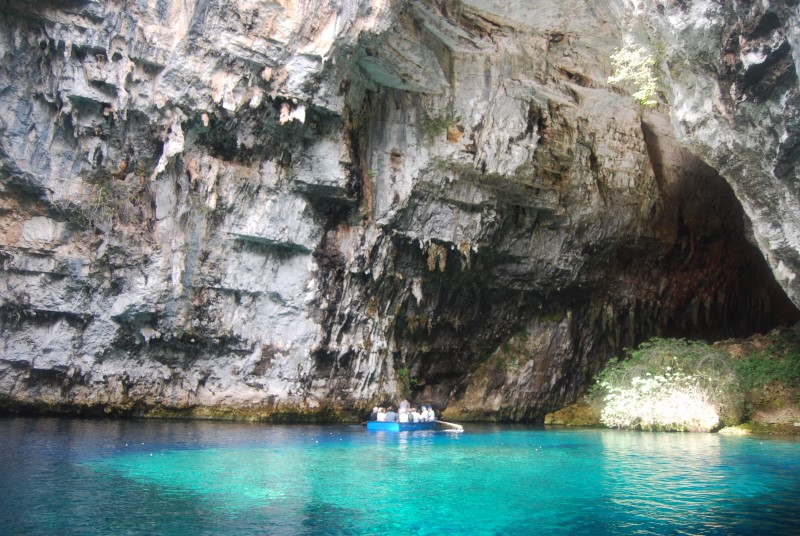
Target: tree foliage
637,66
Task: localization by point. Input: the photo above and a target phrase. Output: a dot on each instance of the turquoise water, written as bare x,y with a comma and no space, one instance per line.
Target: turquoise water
62,476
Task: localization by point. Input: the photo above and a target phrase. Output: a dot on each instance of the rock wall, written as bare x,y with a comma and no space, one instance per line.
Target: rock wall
298,210
731,73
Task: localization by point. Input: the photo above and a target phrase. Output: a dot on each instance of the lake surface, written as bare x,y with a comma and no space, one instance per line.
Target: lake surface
65,476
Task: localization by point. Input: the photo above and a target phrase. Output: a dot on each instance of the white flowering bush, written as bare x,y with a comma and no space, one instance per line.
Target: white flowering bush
671,401
670,384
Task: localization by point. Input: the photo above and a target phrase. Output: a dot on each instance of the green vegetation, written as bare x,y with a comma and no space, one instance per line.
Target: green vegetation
109,200
669,384
434,125
553,317
673,384
637,66
405,382
779,363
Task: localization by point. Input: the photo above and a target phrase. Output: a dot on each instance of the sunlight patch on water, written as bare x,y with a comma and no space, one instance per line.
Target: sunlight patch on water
241,478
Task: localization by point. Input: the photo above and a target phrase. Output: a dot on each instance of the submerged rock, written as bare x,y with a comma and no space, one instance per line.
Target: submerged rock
271,210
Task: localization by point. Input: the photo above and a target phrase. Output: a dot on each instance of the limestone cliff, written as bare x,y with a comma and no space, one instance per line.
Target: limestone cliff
732,76
299,209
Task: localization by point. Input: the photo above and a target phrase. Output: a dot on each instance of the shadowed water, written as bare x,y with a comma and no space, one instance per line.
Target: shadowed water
166,477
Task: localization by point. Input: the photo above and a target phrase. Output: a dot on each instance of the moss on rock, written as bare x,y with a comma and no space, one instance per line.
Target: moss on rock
584,412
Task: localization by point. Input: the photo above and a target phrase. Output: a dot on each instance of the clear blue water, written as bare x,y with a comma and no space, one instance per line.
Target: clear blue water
61,476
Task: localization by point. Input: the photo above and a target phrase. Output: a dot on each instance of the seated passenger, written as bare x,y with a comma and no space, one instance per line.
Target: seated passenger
431,414
374,415
414,415
423,413
381,415
391,416
402,417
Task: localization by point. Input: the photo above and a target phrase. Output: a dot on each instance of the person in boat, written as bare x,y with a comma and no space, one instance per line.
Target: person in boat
414,415
404,406
391,416
374,415
423,413
431,414
402,411
381,417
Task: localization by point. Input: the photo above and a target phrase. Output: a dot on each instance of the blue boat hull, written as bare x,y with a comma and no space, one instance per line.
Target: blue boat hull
375,426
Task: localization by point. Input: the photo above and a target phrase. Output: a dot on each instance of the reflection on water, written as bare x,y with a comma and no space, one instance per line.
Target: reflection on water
665,479
102,477
702,483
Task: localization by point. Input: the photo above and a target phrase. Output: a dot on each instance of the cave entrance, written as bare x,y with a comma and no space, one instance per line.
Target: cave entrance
713,282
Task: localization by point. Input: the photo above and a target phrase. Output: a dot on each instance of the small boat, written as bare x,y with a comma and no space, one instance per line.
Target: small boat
383,426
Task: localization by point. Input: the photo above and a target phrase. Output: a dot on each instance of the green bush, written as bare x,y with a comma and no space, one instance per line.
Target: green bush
405,382
674,384
637,66
434,125
780,363
668,402
670,384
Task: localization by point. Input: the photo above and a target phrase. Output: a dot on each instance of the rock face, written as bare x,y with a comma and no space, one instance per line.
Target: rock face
732,75
297,210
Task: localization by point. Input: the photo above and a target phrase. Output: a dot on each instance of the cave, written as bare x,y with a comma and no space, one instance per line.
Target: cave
450,200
